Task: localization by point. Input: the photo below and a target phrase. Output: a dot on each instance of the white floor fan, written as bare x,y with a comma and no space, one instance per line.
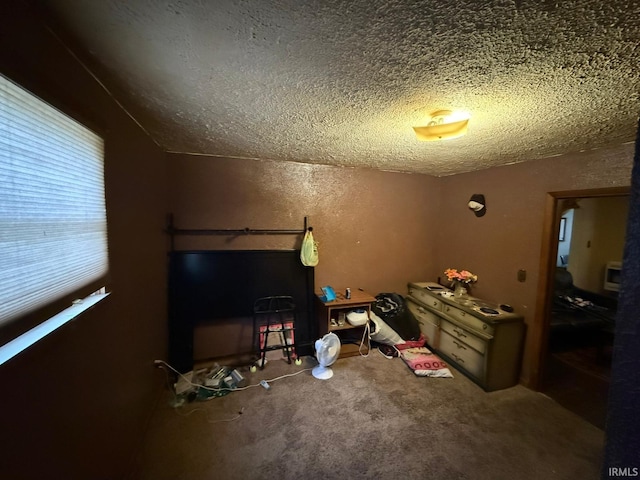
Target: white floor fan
327,351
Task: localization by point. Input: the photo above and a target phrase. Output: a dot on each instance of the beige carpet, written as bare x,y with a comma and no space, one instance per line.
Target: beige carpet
373,419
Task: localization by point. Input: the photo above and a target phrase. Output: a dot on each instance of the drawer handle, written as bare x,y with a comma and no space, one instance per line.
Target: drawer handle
459,333
458,359
435,303
459,345
422,310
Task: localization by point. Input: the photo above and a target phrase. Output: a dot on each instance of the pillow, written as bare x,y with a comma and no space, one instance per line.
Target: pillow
425,363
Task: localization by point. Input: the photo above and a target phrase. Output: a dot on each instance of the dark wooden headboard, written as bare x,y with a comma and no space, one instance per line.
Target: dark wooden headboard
206,285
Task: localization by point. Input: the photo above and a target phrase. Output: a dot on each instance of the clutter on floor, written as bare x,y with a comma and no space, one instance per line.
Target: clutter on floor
392,309
390,326
206,383
390,319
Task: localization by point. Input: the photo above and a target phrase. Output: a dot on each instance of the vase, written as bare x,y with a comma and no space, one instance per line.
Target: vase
459,290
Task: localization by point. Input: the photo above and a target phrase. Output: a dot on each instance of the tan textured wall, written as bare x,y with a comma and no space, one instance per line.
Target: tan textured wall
75,405
509,236
599,229
379,230
375,229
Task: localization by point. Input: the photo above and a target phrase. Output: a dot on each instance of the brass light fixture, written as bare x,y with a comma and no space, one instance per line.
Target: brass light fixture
444,125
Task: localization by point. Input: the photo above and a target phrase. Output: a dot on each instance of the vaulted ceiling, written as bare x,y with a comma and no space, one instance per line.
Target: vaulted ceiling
342,82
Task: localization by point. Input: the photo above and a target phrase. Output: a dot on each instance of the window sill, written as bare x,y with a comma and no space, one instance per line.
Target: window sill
24,341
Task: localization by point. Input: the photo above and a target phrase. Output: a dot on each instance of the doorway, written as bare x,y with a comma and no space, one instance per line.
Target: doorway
584,230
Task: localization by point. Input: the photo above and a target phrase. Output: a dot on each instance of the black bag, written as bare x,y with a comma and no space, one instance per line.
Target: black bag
392,308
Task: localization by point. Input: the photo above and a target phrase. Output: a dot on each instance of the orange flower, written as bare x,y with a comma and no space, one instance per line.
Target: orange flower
464,276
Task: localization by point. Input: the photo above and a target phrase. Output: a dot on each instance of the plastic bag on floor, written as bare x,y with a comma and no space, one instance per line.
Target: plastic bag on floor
383,333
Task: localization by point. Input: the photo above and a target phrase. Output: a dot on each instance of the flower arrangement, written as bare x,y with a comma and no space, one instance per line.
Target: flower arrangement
463,276
460,280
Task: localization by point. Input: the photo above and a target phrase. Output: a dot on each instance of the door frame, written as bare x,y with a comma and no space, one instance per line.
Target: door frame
548,254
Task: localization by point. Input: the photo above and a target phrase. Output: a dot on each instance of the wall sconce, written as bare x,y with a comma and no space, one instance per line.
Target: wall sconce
477,204
444,125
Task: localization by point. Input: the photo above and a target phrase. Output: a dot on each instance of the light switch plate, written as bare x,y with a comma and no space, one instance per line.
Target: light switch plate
522,275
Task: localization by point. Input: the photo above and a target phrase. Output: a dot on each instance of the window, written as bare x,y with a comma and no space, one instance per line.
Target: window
53,227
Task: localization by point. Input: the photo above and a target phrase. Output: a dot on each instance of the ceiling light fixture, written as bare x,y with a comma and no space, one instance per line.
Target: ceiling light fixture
444,125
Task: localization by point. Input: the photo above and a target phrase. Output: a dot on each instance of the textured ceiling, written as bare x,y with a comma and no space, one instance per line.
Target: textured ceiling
342,82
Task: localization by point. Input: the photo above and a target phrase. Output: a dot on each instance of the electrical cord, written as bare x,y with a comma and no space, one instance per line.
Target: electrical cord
164,365
367,332
178,404
207,415
168,382
218,389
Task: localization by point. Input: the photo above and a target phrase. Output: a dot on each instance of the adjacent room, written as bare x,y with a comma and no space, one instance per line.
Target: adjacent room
164,165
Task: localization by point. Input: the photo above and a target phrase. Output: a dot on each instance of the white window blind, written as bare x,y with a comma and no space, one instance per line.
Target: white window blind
53,228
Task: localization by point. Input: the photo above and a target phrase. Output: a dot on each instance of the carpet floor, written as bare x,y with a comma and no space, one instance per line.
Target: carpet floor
373,419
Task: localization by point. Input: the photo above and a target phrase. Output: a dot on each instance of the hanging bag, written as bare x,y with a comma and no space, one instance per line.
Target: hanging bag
309,250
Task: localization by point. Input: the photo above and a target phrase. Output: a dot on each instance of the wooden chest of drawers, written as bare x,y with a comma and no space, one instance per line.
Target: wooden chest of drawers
487,347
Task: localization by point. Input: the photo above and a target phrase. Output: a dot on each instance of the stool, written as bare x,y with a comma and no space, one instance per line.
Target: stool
274,314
